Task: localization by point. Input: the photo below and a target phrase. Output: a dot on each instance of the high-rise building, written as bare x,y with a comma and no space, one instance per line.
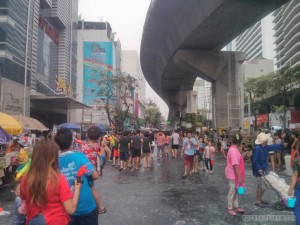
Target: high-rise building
99,56
287,38
257,41
131,65
38,47
204,99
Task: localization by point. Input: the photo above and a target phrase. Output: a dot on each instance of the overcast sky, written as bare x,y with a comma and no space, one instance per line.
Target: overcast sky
127,20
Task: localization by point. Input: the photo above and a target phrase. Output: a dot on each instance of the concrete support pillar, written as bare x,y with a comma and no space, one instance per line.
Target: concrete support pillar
191,102
224,70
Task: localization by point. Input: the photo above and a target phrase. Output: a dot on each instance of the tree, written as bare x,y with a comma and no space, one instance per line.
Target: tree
284,81
152,114
261,89
117,92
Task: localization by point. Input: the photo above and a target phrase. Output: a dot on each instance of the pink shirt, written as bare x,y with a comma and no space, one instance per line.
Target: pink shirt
159,140
234,157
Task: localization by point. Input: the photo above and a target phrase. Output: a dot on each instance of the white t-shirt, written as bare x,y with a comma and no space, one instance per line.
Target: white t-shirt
209,151
175,138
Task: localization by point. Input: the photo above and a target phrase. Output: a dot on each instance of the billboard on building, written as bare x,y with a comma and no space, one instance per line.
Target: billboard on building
97,66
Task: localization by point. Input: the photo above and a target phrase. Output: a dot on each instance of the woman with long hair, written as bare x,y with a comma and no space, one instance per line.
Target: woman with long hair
45,190
235,173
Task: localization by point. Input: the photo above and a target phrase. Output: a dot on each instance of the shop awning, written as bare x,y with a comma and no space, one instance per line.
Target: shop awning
58,101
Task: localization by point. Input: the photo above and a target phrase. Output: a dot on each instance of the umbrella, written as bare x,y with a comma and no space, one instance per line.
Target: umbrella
4,136
69,125
9,124
103,127
30,123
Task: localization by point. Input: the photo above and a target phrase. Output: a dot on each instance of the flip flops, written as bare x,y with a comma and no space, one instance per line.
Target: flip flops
239,210
231,212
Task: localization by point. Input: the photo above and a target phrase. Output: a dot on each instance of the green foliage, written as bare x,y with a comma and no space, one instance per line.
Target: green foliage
152,114
279,109
279,83
117,92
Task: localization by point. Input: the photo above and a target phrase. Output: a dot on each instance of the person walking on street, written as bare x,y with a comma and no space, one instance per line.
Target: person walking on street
209,157
146,146
175,144
188,148
124,148
235,173
136,143
166,144
160,145
260,163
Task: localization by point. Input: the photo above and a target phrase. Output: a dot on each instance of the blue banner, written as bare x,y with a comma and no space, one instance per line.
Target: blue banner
97,64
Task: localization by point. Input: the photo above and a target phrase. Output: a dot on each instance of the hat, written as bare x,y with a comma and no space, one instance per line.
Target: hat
262,137
22,142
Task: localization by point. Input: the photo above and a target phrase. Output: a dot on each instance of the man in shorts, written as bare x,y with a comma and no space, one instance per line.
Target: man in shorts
124,148
260,163
188,148
136,143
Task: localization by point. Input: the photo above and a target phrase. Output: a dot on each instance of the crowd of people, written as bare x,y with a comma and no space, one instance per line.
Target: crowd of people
59,185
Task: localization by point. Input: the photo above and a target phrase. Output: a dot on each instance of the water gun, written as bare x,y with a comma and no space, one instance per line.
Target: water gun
82,170
78,141
19,173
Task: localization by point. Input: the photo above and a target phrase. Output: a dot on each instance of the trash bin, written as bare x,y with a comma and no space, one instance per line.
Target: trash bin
287,161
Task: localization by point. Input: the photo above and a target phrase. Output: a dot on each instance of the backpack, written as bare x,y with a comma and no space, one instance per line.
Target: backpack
136,142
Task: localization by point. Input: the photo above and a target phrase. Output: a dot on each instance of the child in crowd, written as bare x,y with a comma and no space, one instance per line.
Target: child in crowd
91,149
208,157
201,153
19,208
116,153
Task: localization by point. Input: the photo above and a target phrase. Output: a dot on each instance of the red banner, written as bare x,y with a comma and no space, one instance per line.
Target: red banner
264,118
295,116
49,30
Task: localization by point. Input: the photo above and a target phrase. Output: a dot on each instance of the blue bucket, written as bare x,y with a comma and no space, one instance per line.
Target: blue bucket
291,201
241,190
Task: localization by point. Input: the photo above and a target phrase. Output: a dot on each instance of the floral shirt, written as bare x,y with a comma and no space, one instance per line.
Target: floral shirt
91,150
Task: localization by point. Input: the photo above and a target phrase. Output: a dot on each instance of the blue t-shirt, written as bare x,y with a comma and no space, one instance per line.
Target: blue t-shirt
189,149
69,163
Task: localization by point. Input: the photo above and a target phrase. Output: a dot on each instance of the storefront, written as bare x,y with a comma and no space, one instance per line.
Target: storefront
56,109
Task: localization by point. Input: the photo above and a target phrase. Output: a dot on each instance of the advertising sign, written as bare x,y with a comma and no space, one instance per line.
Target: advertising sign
97,67
97,64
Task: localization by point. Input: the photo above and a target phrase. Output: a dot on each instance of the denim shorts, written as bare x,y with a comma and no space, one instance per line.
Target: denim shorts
38,220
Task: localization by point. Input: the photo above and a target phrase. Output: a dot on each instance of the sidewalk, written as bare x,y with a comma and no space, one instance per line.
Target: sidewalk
159,196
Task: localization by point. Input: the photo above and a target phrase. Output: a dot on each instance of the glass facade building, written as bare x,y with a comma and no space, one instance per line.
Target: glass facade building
13,30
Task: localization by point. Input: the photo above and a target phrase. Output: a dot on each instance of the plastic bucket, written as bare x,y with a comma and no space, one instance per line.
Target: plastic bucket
291,201
241,190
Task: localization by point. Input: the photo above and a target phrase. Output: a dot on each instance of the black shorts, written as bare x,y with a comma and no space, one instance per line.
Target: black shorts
87,219
146,150
175,146
136,153
124,156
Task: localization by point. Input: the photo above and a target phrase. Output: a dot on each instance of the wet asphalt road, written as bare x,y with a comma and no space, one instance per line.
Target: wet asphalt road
159,196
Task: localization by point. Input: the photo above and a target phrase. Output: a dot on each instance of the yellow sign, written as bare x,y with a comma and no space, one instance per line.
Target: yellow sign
60,85
70,90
